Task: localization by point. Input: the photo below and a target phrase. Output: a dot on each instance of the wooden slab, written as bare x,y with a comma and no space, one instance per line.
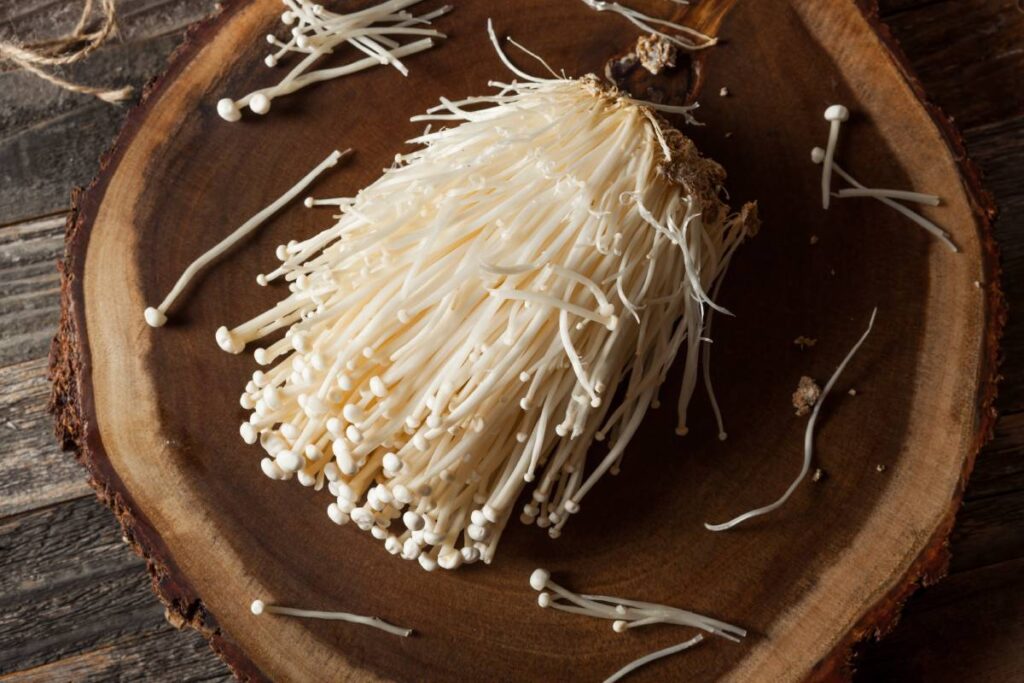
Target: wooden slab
154,413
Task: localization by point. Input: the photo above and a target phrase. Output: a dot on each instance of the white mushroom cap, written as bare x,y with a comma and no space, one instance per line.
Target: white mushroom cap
539,579
228,110
155,317
837,112
259,104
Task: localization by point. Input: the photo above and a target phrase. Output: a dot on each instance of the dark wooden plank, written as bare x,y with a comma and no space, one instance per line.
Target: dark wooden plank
34,472
967,54
163,655
988,531
50,139
887,8
68,585
1000,468
29,288
969,629
998,149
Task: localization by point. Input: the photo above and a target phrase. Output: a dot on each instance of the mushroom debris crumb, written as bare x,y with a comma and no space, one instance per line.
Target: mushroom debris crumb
500,298
724,92
655,53
881,468
804,342
806,395
818,475
813,240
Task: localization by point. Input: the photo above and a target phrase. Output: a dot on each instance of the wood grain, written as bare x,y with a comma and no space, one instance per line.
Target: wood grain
995,142
34,472
39,597
29,287
69,585
159,655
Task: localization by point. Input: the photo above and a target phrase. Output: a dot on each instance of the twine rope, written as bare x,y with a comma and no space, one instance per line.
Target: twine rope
68,49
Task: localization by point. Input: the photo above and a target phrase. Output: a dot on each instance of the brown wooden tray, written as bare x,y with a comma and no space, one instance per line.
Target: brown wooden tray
153,414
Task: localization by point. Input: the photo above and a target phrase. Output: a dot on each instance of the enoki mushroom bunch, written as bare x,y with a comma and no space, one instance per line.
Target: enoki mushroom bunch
499,299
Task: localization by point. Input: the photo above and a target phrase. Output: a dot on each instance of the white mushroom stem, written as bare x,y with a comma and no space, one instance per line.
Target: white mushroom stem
156,317
818,156
477,316
654,656
808,441
706,350
259,607
835,115
691,39
316,32
903,195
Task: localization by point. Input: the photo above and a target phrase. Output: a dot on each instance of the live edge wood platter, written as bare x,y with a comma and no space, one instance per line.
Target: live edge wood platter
153,413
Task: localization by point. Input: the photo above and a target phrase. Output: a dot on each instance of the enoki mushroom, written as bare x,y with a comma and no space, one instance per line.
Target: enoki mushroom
465,326
157,317
836,114
683,36
316,32
628,614
808,441
259,607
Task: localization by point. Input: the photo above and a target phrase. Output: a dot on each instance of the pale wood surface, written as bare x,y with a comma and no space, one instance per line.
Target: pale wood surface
75,604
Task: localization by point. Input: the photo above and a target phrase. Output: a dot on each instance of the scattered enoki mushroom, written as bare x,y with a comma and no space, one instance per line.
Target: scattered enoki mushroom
808,439
628,614
259,607
316,31
464,326
68,49
684,37
836,114
653,657
157,317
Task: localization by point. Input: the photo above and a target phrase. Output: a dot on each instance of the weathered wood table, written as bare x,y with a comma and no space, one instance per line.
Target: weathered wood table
75,603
